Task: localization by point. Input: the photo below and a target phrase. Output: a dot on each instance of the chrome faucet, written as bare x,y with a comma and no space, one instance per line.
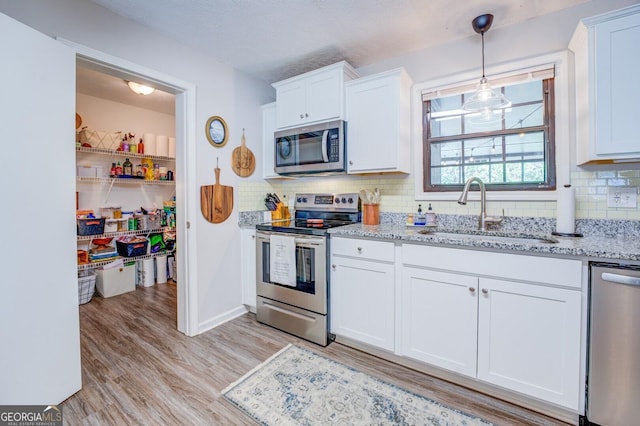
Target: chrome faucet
484,220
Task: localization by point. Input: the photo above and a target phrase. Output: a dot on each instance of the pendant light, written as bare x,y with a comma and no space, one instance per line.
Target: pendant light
485,100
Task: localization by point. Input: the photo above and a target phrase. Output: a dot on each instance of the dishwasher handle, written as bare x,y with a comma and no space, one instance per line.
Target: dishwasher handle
620,279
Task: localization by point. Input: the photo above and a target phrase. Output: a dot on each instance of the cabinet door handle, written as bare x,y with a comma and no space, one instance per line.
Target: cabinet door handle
485,291
333,267
253,237
359,249
301,115
472,289
306,115
350,163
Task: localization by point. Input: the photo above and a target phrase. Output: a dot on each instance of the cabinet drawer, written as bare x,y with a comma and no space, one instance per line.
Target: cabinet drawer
548,270
364,249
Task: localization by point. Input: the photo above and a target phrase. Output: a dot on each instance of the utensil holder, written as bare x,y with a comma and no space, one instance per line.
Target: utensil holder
371,214
281,212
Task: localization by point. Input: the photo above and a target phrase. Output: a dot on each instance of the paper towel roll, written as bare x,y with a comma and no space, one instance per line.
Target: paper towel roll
161,269
149,141
162,146
172,147
566,210
147,274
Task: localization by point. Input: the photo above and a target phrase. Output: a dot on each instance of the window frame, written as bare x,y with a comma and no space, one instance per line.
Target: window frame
548,129
562,62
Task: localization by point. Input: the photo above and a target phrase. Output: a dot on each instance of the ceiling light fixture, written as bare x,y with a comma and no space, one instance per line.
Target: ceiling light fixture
140,89
485,99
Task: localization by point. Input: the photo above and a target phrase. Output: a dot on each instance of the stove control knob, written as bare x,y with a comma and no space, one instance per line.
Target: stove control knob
344,200
299,199
337,200
304,199
350,200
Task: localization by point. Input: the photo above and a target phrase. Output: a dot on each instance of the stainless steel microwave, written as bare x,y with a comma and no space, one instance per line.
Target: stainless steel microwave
317,148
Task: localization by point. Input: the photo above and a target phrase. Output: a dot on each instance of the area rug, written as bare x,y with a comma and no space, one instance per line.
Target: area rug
299,387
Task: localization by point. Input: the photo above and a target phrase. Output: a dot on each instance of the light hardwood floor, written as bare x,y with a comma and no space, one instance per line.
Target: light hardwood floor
138,369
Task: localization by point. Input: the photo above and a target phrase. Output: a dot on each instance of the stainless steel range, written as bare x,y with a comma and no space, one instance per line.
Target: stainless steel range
292,264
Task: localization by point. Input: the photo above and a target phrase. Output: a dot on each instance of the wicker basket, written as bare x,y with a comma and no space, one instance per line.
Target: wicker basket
86,286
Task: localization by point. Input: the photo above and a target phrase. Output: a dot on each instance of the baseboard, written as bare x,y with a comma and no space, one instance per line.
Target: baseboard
221,319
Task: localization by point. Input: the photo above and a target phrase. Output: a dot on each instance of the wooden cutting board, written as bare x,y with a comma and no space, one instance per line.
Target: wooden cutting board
243,161
216,201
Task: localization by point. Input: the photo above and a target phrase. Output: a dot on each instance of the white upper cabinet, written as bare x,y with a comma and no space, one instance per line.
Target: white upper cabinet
607,62
378,123
312,97
268,144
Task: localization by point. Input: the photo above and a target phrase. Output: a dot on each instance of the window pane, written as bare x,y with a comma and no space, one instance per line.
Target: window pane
524,92
446,153
522,116
448,175
446,118
482,122
529,146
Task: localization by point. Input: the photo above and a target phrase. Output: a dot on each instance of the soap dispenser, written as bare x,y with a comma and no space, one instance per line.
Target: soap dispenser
431,217
421,218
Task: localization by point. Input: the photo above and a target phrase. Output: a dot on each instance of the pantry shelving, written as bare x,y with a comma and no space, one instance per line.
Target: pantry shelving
121,233
94,265
123,154
125,181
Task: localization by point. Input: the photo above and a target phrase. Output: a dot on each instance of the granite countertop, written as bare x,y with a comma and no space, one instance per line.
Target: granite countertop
593,247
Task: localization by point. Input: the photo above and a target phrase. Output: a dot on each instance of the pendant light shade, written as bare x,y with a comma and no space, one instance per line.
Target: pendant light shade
484,99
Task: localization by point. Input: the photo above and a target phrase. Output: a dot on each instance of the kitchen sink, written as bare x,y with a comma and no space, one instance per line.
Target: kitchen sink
506,237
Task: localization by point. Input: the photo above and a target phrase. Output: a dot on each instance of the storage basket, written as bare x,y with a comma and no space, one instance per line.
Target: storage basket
149,221
91,226
102,140
133,249
86,286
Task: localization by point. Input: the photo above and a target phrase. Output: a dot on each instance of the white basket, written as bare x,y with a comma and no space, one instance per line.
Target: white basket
86,286
98,139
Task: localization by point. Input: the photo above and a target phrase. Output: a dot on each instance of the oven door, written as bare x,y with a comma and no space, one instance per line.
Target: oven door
310,292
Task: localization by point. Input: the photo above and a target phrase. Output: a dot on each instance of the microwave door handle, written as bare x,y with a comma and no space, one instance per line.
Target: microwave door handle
325,155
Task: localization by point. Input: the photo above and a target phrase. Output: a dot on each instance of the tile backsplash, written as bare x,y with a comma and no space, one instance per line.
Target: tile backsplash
592,188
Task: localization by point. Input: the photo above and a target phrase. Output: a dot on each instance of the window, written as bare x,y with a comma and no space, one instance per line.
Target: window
510,149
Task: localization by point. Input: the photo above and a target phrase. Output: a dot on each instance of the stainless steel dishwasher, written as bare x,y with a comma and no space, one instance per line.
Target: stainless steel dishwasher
613,384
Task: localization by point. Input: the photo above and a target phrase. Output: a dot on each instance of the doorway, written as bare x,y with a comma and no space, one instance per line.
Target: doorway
184,93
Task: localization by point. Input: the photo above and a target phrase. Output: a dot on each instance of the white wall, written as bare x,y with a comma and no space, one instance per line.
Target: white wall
220,91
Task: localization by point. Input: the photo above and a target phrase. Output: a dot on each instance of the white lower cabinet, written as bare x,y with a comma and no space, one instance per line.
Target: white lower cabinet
529,339
439,317
522,336
362,291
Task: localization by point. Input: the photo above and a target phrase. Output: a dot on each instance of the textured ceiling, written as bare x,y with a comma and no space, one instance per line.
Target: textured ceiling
276,39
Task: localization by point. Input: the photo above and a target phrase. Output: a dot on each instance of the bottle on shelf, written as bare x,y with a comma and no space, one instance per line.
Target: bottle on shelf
113,172
140,147
118,169
127,168
156,171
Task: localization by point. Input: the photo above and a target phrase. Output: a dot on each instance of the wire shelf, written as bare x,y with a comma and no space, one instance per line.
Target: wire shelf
112,153
94,265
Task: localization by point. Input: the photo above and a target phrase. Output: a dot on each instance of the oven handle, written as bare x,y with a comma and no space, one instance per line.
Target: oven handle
300,241
288,312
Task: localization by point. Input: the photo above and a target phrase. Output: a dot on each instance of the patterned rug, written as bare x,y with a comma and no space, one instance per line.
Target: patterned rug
299,387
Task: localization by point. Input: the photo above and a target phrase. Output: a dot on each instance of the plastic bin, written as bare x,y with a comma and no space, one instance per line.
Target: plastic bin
132,249
86,286
91,226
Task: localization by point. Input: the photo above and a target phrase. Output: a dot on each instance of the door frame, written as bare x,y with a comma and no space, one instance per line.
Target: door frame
186,199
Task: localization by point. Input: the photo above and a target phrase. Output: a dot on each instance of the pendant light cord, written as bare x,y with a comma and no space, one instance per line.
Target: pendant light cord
482,34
